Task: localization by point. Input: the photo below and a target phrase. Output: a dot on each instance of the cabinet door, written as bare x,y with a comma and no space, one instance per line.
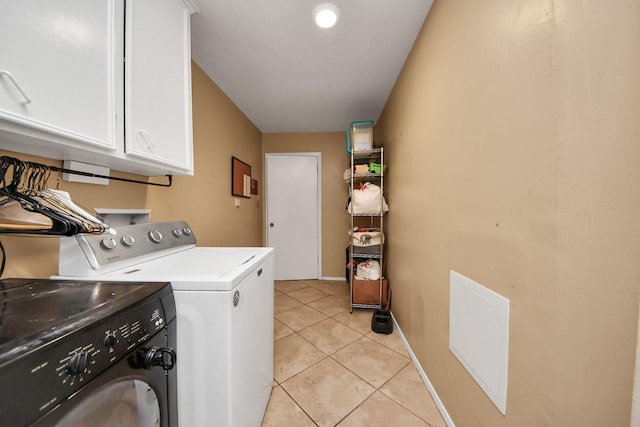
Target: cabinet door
59,70
158,83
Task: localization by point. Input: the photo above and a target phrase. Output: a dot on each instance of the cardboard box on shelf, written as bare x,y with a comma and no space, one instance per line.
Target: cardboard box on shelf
368,292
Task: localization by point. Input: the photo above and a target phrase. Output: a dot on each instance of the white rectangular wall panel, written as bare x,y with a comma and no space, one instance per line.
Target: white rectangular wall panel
479,335
85,167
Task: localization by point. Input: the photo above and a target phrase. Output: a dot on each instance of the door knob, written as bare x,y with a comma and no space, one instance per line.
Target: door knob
271,224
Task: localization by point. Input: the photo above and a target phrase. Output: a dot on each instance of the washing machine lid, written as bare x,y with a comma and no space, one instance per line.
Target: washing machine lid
207,268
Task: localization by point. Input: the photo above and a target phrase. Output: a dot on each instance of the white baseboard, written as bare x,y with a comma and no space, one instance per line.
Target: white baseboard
335,279
432,391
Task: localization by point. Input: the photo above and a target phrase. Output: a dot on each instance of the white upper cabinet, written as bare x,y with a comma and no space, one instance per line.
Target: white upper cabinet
158,82
59,76
98,82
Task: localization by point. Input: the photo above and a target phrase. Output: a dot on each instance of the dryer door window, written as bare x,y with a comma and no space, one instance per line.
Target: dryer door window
120,403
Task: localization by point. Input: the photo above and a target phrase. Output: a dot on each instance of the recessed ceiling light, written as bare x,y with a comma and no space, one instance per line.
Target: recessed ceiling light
326,15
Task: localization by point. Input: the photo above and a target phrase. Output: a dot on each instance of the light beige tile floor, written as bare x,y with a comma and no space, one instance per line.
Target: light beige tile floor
330,369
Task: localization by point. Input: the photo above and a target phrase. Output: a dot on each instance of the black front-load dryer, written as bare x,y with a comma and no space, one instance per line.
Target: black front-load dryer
87,354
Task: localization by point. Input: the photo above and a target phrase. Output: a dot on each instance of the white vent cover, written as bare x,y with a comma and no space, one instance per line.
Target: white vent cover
479,335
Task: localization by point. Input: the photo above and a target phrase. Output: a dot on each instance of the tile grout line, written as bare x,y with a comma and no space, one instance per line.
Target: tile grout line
406,355
331,356
297,404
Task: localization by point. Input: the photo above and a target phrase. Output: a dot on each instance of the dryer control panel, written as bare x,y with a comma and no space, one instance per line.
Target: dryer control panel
83,329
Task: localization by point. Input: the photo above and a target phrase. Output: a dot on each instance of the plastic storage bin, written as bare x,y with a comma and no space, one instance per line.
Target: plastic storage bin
360,136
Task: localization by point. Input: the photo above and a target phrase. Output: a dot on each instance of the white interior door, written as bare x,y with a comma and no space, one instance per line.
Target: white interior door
293,214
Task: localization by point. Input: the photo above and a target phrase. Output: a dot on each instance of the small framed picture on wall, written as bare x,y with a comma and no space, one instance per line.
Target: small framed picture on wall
240,178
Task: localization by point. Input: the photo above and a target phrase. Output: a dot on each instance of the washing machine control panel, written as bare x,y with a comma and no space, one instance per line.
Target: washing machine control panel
124,246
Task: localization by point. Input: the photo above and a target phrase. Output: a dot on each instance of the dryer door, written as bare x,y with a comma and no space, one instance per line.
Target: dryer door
126,394
128,402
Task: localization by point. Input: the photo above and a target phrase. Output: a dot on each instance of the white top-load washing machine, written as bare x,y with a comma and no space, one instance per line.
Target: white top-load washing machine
224,304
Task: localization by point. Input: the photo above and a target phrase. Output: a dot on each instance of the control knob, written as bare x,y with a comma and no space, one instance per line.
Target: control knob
109,243
177,232
128,240
110,339
155,236
157,356
78,363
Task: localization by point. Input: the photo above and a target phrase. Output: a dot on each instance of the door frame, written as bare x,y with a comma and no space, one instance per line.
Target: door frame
318,157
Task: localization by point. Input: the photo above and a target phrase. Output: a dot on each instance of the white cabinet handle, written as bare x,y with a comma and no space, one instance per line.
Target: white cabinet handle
27,100
144,135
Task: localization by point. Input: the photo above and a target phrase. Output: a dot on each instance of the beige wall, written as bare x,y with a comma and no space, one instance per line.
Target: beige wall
220,131
512,139
335,222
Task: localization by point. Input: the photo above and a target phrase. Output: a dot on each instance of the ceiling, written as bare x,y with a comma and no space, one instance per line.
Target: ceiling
287,75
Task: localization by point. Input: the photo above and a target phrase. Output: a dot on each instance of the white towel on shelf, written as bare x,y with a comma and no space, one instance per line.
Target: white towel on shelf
362,169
